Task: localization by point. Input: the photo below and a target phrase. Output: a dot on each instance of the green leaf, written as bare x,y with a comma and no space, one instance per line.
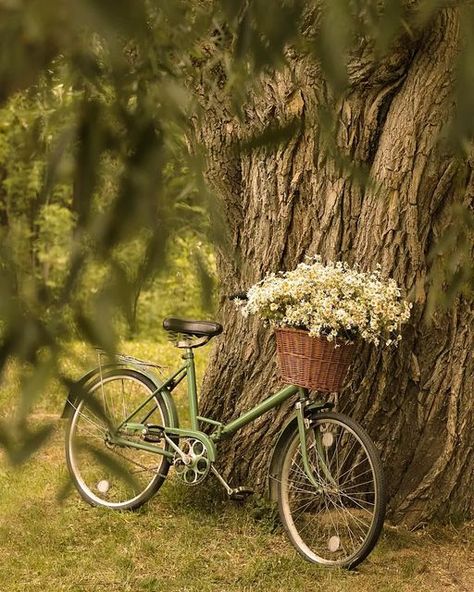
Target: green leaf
20,444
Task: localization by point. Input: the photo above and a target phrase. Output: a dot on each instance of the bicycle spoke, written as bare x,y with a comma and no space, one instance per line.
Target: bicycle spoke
95,424
358,503
107,474
346,487
369,470
333,522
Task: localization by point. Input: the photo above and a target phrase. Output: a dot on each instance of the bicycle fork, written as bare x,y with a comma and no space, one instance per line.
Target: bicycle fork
304,425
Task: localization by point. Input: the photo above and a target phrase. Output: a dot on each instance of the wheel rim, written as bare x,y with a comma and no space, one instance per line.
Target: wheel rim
334,522
108,475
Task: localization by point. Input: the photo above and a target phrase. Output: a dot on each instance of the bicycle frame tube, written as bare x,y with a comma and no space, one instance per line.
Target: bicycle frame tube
188,370
149,447
246,418
223,430
192,388
167,383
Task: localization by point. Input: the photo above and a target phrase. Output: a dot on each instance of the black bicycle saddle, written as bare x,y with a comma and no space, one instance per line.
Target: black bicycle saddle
196,328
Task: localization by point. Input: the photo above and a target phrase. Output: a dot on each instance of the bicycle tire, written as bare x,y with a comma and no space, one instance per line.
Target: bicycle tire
121,478
333,524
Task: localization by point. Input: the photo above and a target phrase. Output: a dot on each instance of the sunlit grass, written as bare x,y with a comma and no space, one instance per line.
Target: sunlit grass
185,539
191,539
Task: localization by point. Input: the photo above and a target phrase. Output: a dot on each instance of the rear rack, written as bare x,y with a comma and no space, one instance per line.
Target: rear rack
126,359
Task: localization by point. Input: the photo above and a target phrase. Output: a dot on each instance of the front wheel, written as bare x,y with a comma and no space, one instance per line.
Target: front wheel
335,518
105,474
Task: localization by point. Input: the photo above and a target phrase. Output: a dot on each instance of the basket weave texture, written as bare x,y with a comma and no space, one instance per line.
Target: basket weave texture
312,362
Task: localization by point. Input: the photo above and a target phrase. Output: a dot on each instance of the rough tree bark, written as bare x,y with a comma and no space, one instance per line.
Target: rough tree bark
290,201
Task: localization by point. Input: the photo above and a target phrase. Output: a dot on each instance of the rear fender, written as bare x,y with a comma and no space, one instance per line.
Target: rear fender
77,389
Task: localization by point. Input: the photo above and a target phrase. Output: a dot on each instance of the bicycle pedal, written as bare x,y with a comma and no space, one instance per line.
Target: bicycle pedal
153,433
239,494
152,438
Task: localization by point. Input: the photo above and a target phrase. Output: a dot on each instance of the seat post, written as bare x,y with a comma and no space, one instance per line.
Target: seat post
192,387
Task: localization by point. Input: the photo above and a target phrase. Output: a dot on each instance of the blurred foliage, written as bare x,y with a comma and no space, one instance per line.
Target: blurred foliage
98,173
184,288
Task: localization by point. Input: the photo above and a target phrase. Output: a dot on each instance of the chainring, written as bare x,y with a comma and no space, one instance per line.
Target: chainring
196,467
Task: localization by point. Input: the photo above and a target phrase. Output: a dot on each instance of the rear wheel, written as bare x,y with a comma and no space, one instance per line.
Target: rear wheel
106,474
338,520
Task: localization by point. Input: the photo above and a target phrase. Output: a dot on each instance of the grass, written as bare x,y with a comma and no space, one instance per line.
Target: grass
186,539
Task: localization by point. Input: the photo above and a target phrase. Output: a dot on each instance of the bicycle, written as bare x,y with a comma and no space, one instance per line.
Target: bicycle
123,435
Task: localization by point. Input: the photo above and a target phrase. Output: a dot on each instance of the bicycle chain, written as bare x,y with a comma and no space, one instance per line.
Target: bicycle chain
136,462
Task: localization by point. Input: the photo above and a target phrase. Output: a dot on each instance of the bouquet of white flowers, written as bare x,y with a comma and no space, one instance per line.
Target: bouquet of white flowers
319,310
331,300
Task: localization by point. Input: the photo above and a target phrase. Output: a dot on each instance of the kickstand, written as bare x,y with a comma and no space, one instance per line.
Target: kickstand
234,493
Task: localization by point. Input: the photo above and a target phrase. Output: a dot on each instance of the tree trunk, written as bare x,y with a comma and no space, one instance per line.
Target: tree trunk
286,202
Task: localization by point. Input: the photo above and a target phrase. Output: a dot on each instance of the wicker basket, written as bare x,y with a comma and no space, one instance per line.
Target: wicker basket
312,362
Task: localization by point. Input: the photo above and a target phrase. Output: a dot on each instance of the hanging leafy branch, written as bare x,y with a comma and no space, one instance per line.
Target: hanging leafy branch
96,100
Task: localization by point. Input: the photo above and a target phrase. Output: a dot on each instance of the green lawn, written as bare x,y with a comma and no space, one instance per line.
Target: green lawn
186,539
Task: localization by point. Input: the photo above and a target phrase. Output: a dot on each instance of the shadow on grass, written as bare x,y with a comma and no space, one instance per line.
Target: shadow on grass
210,500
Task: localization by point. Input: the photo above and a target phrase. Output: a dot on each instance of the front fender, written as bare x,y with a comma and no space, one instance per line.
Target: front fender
77,389
287,431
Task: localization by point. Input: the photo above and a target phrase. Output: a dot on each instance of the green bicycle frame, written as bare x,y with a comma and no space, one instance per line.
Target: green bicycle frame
221,430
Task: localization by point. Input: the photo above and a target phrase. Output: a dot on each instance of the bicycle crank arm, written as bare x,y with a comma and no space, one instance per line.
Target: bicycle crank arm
235,493
184,457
